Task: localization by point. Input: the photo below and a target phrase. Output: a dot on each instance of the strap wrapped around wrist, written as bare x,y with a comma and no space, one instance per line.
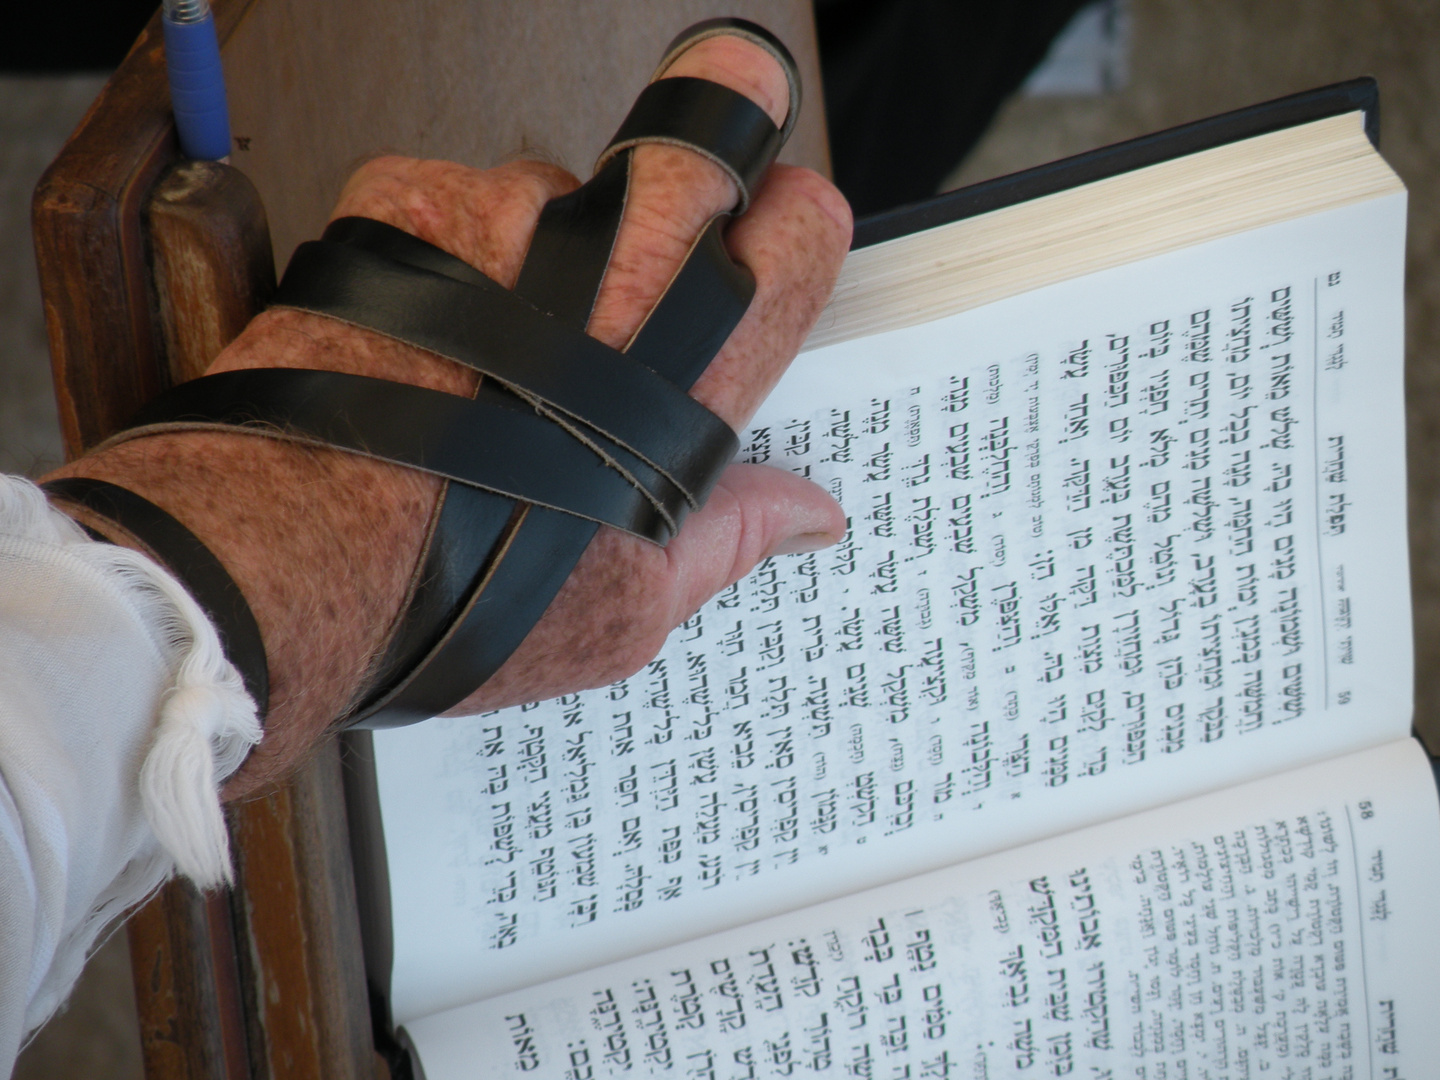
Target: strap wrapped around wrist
189,560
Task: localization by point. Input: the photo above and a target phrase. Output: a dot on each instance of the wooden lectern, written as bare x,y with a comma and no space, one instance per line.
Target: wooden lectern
149,265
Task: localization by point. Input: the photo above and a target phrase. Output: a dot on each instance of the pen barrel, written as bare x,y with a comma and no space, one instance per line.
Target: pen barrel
197,88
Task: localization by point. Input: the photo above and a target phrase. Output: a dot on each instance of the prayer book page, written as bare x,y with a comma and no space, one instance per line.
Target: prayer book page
1283,927
1114,542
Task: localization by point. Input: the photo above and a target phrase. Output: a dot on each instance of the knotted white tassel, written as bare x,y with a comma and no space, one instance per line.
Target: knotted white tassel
178,781
207,722
206,726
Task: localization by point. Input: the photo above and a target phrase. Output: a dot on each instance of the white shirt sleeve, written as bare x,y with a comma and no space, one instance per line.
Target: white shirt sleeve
119,718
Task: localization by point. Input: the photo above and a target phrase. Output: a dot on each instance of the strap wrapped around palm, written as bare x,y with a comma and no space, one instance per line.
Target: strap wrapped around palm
563,434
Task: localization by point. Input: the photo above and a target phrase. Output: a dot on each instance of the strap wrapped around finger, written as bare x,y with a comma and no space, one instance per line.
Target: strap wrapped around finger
710,119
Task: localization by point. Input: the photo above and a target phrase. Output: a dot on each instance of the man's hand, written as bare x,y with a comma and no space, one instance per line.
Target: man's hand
323,543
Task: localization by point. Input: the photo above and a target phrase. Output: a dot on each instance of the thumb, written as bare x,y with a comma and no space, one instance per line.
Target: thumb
754,512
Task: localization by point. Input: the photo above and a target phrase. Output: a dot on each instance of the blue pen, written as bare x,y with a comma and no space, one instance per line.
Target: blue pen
197,83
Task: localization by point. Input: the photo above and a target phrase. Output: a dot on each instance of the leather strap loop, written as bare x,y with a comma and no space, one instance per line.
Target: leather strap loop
203,575
755,34
710,119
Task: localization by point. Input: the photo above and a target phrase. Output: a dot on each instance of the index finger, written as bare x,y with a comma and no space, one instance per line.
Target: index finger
793,239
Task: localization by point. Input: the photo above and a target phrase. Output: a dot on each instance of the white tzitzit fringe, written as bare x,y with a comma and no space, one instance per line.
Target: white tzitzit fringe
207,725
207,722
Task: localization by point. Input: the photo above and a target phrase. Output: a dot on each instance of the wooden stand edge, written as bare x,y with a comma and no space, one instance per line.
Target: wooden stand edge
148,267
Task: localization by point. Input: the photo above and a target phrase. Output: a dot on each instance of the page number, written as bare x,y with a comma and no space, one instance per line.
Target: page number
1367,811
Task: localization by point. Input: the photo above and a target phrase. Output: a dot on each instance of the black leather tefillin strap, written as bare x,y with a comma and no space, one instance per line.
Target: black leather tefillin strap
562,435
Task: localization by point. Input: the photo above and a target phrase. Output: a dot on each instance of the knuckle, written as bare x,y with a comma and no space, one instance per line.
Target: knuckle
533,180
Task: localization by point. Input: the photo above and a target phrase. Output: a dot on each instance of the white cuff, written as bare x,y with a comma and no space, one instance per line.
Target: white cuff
121,718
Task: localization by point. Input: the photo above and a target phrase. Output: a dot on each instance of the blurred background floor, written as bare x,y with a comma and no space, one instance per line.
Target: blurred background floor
36,114
1186,59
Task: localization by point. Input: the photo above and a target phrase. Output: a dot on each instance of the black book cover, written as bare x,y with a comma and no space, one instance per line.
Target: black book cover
1355,95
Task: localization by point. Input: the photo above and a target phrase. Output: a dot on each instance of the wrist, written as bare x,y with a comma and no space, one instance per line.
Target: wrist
321,543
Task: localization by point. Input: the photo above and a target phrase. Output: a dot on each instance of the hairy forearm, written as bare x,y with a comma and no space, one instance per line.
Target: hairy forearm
322,543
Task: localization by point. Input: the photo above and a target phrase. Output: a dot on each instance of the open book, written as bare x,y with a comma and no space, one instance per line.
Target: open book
1086,752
